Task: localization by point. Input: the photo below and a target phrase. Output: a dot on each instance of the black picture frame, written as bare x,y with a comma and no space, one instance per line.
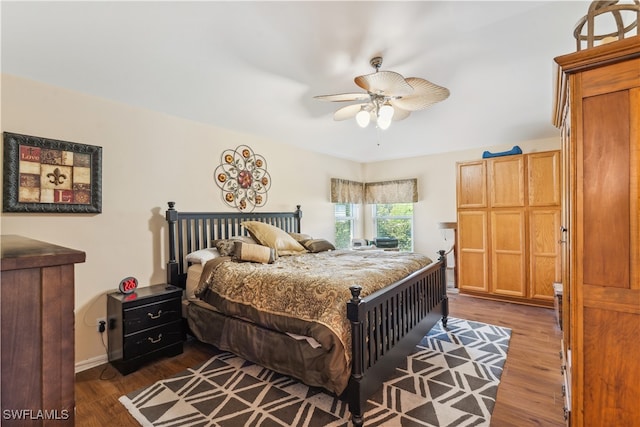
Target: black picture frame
83,195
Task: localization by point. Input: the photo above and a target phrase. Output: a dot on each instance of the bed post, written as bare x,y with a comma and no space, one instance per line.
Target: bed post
298,214
172,264
355,393
445,298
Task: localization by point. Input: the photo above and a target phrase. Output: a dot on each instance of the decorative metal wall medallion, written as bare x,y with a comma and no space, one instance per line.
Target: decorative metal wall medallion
242,175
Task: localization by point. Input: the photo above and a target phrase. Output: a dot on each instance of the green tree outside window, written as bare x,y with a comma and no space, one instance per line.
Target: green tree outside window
395,220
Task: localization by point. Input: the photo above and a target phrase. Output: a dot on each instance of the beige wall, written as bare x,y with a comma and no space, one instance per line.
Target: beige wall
141,147
148,159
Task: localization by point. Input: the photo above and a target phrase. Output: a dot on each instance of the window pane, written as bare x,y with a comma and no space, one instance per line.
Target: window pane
395,210
344,225
395,220
343,234
343,210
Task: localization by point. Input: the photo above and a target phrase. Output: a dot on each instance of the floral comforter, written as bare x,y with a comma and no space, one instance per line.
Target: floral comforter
305,294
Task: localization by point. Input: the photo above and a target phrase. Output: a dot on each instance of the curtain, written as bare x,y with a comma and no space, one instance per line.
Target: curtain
344,191
398,191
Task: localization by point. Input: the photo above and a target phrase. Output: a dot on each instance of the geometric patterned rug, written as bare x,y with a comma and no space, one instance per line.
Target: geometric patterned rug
451,379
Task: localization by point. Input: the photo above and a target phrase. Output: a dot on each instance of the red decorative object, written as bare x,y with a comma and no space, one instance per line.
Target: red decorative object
128,285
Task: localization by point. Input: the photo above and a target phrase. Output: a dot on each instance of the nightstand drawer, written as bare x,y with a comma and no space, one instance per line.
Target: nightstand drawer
151,315
152,339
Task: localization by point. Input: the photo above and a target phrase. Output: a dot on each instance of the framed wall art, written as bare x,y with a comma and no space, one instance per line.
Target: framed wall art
47,175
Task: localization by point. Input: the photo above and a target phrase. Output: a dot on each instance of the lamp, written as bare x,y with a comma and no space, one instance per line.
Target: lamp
363,118
385,112
452,226
383,123
383,116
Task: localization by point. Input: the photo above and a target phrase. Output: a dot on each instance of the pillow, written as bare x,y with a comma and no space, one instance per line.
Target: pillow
226,246
246,239
299,237
317,245
202,256
254,253
273,237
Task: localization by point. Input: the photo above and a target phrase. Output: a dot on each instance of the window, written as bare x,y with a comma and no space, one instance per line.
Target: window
345,222
395,220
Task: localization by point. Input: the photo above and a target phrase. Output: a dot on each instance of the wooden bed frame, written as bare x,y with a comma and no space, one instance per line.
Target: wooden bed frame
385,326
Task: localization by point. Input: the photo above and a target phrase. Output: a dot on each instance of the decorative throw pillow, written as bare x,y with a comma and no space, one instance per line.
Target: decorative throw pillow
246,239
317,245
273,237
202,256
299,237
254,253
225,247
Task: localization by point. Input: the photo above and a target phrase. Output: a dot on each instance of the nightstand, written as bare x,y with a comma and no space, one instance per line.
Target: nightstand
144,325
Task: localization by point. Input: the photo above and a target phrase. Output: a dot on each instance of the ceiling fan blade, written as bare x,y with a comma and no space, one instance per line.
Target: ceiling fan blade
347,112
386,83
399,113
343,97
425,94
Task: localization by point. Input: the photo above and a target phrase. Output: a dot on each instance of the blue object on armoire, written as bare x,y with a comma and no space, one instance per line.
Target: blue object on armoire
514,150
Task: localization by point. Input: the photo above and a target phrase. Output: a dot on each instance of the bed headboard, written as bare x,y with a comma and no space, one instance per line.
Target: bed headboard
190,231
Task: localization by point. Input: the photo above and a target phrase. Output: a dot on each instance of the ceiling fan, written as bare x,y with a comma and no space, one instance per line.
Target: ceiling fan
389,97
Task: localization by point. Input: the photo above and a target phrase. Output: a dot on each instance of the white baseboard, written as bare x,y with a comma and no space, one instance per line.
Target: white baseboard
91,363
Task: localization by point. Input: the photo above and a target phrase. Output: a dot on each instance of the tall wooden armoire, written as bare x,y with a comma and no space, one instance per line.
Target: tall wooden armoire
509,227
598,109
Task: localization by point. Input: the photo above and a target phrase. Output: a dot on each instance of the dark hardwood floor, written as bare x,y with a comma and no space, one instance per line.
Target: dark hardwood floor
529,392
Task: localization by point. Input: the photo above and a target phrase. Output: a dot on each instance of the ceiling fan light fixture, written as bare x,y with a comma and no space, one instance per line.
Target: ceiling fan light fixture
383,123
386,112
363,118
389,96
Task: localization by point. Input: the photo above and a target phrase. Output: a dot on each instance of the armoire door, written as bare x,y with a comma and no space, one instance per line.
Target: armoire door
506,181
544,252
543,179
607,240
508,252
473,251
472,185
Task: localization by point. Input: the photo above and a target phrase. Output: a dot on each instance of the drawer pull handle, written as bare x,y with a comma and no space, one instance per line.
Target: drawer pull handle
157,340
155,316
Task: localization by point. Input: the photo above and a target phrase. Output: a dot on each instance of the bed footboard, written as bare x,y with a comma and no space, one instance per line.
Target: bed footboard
387,325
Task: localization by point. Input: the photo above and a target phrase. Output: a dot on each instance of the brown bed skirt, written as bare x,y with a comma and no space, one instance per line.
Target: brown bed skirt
265,347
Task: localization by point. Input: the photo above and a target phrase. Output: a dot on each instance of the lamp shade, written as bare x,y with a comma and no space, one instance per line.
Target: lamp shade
448,225
386,112
383,123
363,117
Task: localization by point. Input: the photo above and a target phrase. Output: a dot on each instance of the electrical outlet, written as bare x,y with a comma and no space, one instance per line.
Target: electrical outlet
101,324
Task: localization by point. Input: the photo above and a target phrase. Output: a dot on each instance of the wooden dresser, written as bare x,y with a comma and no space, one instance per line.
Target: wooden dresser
598,109
509,227
37,291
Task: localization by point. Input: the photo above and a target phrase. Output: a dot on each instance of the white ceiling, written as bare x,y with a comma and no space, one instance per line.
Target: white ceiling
254,67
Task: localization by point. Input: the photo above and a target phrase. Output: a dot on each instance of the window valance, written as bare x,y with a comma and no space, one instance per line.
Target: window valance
345,191
397,191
